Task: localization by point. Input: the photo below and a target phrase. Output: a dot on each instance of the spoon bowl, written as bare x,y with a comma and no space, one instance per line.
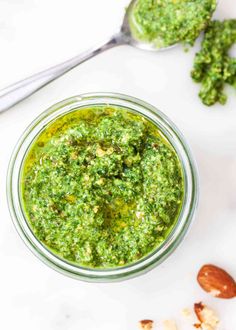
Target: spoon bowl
128,38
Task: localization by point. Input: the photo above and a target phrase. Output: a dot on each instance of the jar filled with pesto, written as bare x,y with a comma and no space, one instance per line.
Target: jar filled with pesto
102,187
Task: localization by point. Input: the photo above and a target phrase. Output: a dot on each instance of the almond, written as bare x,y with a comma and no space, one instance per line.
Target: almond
186,312
169,325
146,324
217,282
209,320
198,307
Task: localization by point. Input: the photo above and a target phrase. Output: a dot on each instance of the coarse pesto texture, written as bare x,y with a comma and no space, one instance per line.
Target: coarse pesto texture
102,187
213,66
166,22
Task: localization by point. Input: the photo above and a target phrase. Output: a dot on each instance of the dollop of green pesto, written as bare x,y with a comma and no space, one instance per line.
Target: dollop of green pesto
213,66
102,187
166,22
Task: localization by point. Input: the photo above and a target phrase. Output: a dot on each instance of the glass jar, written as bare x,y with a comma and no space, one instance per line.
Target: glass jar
151,260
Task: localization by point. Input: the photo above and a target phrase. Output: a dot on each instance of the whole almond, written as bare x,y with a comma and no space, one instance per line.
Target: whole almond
146,324
217,282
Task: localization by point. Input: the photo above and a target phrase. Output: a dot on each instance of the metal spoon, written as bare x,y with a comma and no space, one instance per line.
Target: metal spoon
15,93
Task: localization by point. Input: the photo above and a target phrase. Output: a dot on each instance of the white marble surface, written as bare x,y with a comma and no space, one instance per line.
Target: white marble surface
35,34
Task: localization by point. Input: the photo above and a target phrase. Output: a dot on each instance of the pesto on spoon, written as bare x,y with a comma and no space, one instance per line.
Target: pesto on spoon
148,24
167,22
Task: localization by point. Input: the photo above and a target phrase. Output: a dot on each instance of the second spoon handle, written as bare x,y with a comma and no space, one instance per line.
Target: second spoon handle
17,92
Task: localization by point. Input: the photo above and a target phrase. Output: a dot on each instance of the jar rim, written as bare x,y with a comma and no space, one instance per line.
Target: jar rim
175,138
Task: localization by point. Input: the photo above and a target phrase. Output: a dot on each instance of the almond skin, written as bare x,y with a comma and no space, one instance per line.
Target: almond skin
217,282
198,308
146,324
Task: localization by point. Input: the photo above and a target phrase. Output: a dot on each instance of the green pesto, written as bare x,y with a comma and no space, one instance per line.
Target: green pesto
213,67
166,22
102,187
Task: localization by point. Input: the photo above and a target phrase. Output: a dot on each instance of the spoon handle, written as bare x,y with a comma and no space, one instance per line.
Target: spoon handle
17,92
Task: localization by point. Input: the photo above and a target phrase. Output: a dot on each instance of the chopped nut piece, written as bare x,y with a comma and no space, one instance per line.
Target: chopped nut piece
198,307
207,317
146,324
139,215
86,177
100,182
74,155
110,151
169,325
95,209
70,198
100,152
186,312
